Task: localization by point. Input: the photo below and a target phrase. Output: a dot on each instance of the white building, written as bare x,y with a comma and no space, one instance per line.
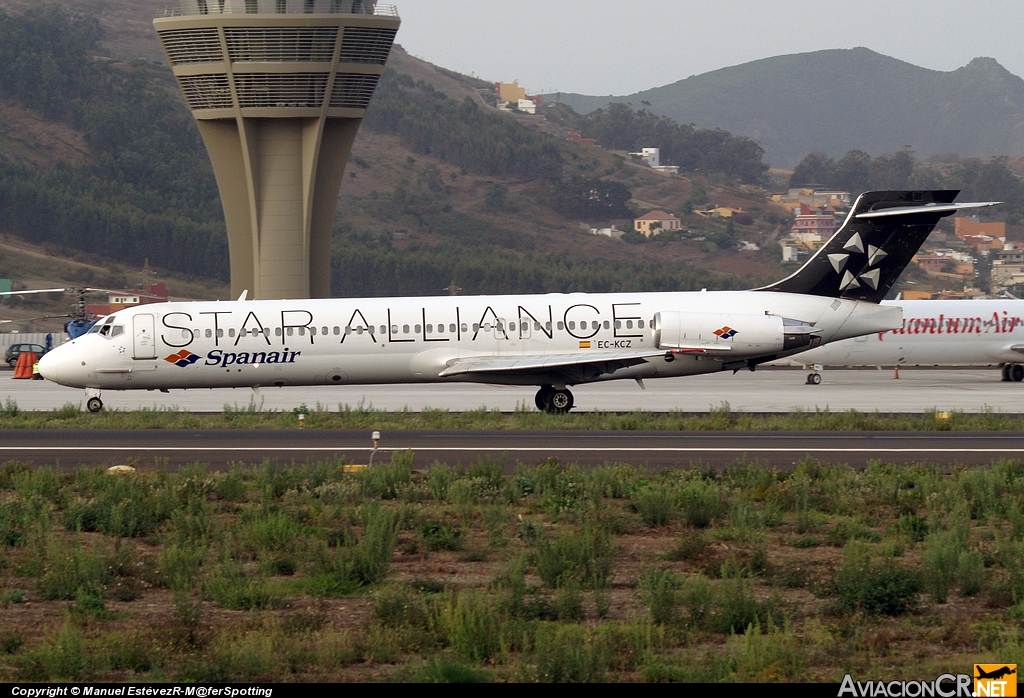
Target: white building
528,106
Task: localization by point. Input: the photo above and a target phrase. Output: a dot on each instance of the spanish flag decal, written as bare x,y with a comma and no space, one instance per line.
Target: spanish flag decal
585,344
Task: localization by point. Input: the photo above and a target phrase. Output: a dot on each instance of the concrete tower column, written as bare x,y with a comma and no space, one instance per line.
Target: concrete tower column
278,89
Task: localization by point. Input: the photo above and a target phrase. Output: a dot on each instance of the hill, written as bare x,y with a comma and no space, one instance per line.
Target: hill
440,186
838,100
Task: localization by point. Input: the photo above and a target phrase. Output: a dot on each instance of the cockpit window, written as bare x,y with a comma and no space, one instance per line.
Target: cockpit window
94,329
117,330
105,330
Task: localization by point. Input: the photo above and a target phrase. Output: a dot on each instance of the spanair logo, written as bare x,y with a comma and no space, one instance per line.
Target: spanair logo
995,680
183,358
725,333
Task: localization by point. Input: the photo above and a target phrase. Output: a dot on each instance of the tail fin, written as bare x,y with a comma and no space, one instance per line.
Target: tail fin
876,243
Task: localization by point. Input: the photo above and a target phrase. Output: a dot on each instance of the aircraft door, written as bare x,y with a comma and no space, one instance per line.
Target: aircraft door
501,330
144,329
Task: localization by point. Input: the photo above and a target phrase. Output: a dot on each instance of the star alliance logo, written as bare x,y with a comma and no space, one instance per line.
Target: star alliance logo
183,358
725,333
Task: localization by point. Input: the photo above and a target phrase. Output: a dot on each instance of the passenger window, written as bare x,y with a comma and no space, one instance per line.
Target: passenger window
476,327
337,330
231,332
384,329
348,329
220,332
464,327
277,332
595,325
302,331
629,324
184,333
291,331
547,326
312,331
618,324
323,331
640,324
572,324
561,326
359,330
607,325
209,333
430,329
405,329
536,326
451,328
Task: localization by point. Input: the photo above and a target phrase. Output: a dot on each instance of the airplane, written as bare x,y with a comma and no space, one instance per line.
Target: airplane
934,333
553,341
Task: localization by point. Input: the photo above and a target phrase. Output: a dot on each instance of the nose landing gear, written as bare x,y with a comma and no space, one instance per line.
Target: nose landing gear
553,400
94,404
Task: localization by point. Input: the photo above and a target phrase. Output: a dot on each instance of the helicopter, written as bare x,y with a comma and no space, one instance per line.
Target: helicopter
79,320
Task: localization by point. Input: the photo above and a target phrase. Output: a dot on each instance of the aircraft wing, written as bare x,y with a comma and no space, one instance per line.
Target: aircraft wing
611,361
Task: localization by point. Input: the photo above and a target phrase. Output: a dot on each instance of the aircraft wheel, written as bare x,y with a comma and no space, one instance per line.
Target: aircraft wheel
1006,372
814,379
543,398
561,401
1017,373
94,404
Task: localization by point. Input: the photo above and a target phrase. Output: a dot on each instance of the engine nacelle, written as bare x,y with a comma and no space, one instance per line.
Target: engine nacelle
731,333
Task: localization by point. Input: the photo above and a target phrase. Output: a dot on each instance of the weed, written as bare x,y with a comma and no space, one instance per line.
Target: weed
689,547
806,542
939,561
914,527
10,642
441,535
232,588
128,652
970,572
660,591
69,568
701,503
861,583
397,606
384,480
470,625
444,670
585,556
571,653
654,503
57,658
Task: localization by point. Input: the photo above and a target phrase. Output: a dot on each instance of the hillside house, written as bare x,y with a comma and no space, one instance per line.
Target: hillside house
820,221
656,221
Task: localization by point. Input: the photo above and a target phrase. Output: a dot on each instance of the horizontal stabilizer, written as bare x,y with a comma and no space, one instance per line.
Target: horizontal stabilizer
930,208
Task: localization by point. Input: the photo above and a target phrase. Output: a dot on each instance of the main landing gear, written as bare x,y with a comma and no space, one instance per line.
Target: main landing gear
554,400
1013,372
94,404
813,379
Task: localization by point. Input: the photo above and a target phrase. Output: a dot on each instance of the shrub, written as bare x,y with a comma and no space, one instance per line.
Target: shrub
697,598
233,589
441,536
914,527
57,658
571,653
736,608
660,591
385,479
398,606
862,584
585,556
471,626
654,503
444,670
970,572
68,568
939,562
701,503
179,565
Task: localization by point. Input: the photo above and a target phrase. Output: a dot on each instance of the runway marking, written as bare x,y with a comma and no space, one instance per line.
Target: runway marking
539,449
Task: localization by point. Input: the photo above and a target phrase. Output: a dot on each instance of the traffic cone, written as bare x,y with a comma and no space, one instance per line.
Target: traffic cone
23,369
896,373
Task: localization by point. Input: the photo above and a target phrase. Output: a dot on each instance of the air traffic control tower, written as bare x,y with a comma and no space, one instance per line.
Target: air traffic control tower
278,89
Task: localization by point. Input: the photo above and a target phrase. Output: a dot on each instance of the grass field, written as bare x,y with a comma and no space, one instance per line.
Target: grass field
553,573
71,416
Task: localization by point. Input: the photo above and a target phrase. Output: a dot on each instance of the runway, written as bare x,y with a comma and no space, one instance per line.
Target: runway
219,448
772,390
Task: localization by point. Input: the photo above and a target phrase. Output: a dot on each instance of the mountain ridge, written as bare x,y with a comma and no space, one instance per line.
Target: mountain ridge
837,100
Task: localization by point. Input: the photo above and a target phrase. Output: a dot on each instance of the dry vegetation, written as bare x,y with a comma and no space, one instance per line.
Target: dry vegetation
551,573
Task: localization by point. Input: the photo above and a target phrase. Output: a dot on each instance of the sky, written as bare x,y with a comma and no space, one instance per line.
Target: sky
605,47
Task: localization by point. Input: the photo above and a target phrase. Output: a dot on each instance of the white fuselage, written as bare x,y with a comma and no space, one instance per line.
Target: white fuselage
493,339
935,333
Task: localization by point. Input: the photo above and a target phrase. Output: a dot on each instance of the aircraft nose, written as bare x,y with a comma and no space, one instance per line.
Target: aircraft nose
49,366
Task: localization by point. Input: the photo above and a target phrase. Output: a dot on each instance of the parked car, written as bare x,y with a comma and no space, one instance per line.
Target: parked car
15,350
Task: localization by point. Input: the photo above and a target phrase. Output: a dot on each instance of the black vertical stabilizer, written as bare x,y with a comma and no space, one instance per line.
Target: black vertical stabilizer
876,243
